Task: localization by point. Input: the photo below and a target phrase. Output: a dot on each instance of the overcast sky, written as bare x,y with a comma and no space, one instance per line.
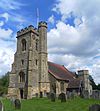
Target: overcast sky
73,31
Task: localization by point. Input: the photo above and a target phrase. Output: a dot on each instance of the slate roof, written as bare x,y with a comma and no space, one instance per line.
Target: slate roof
60,72
75,83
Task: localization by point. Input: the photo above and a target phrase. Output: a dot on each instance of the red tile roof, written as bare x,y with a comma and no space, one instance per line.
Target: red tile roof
60,72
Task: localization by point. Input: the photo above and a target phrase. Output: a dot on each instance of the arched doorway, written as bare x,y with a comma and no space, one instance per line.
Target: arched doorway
21,93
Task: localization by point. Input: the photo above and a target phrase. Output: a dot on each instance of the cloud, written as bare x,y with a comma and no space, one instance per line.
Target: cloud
6,57
51,19
7,46
1,23
70,39
76,46
5,15
5,34
10,4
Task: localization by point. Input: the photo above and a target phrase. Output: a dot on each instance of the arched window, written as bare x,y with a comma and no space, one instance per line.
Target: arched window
23,44
21,77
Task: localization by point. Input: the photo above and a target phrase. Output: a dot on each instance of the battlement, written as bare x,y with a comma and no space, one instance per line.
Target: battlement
81,72
26,30
42,24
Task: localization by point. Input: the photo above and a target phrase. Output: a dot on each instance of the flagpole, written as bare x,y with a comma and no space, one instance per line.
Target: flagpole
37,16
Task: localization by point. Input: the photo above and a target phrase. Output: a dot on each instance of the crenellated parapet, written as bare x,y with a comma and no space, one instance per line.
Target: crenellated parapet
27,29
42,24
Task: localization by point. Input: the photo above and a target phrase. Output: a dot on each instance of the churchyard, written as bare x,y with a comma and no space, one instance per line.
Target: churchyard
45,104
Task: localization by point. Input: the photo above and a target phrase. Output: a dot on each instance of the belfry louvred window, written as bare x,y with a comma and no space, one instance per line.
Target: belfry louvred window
23,44
21,77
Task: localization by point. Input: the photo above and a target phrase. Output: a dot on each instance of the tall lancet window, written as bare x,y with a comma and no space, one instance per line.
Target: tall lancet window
36,45
23,44
21,77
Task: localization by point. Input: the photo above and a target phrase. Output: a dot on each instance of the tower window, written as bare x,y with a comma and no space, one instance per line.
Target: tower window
36,62
22,62
36,45
23,44
21,77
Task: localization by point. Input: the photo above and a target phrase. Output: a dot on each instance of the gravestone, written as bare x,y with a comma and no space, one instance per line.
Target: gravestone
1,106
93,94
48,95
41,95
96,94
68,95
73,94
62,97
53,97
12,99
86,94
36,95
99,94
17,104
94,107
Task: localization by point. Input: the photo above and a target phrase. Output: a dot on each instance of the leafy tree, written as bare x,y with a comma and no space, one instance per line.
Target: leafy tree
94,86
4,80
98,86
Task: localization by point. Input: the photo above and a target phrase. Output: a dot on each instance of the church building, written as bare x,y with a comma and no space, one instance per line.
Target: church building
32,73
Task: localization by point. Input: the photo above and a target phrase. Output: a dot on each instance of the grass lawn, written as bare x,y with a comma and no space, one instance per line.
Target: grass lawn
45,104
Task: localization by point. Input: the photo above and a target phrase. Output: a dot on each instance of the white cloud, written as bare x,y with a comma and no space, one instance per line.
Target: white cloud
5,15
5,34
1,23
51,19
10,4
6,57
7,48
76,47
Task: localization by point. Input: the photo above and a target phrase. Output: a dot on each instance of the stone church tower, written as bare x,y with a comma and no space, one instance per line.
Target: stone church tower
29,74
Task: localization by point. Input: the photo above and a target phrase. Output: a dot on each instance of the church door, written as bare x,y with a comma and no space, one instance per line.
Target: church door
21,93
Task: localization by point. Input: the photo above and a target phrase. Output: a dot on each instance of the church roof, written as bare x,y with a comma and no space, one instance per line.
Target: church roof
60,72
75,83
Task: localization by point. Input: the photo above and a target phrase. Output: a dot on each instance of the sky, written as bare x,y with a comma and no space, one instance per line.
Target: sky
73,31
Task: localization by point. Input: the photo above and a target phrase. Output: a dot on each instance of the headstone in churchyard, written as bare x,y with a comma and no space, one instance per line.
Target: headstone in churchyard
1,106
62,97
86,94
17,104
99,94
96,94
68,95
94,107
93,94
41,95
53,97
12,99
36,95
73,94
48,95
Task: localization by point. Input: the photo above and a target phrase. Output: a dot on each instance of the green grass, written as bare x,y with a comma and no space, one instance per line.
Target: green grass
44,104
